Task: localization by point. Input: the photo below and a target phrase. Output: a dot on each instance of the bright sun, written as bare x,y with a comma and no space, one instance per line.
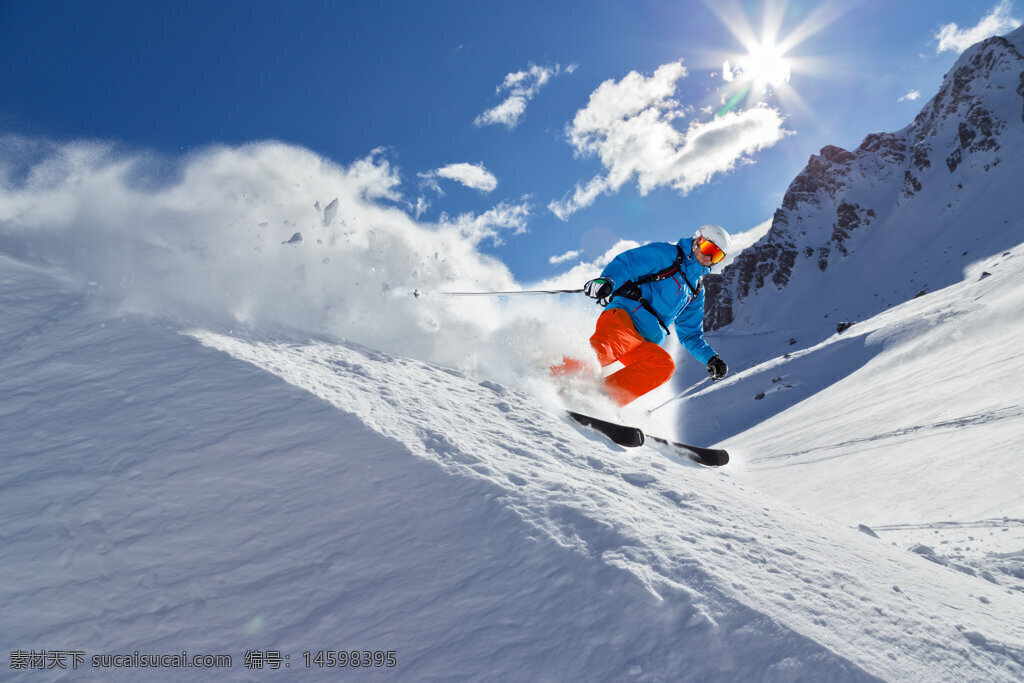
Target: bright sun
765,66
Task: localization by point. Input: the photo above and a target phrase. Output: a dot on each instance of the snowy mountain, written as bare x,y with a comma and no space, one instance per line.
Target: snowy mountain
902,215
222,440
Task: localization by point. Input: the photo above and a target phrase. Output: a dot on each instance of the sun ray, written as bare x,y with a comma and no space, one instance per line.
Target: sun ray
792,101
819,18
765,66
734,19
771,21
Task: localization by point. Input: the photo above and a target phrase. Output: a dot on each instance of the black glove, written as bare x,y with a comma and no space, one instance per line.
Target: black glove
599,288
717,367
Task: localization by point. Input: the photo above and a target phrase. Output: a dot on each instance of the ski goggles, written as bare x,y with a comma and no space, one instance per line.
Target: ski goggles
709,248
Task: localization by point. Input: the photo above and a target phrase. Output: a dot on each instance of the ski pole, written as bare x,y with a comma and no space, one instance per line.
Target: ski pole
521,291
682,394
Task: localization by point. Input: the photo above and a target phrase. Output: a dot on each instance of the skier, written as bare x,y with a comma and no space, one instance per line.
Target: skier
644,290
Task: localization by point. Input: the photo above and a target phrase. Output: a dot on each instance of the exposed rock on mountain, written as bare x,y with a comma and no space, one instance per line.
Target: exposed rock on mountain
895,216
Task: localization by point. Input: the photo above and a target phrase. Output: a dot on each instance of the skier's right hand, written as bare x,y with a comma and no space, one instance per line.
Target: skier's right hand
598,288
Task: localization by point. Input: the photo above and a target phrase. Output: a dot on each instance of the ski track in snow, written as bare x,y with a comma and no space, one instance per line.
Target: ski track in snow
978,420
685,533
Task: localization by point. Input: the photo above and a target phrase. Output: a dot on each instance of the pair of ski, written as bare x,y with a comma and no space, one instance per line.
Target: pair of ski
633,437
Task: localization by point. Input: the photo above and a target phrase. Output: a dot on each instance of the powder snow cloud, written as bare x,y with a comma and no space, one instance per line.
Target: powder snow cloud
521,86
207,240
997,22
629,126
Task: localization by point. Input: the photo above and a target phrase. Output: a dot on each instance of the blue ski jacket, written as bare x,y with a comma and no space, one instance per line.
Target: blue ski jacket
671,298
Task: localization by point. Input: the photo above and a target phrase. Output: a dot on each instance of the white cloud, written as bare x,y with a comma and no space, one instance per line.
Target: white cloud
521,87
508,112
628,125
421,206
473,176
581,272
504,216
562,258
727,73
997,22
911,96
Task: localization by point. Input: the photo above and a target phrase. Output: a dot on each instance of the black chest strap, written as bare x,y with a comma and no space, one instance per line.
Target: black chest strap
631,290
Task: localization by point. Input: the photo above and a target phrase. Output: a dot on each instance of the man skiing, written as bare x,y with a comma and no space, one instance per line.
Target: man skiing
644,290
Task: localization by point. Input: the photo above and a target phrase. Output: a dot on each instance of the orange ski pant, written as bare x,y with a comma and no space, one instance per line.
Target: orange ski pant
647,365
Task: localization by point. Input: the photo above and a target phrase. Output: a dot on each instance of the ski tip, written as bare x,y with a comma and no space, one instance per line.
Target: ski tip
621,435
706,460
709,457
718,459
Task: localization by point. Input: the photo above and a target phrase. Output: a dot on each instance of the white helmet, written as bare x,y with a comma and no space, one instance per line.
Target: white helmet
714,233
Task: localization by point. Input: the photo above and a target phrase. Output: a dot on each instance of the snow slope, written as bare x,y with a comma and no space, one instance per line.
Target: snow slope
216,492
911,422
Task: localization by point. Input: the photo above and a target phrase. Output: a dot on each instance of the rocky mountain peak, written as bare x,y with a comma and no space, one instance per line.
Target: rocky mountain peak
910,186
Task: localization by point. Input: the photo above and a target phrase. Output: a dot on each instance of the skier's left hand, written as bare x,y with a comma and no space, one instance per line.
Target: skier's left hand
717,368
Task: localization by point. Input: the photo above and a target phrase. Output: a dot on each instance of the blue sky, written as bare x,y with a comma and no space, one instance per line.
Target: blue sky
479,104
